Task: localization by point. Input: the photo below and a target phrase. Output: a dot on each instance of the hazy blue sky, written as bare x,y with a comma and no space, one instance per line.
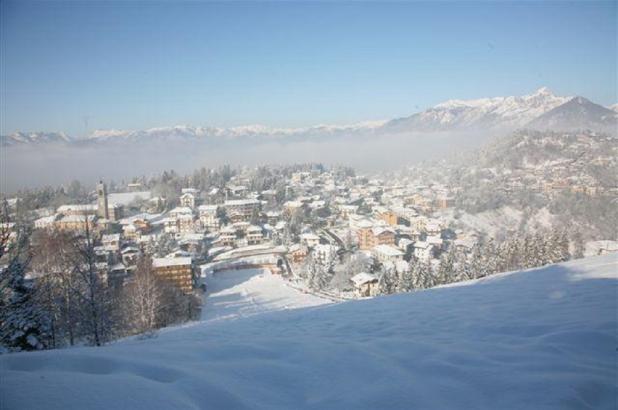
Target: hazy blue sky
144,64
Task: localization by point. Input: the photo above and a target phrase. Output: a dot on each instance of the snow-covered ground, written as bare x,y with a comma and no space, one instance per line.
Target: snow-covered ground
242,293
538,339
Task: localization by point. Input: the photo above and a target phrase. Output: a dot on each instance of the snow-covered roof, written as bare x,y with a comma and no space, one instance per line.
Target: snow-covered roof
144,216
422,245
379,230
125,198
77,208
45,220
240,202
363,278
207,208
167,262
388,250
181,210
434,240
77,218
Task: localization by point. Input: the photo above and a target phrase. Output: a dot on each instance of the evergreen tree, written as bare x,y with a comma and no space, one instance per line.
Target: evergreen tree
490,258
463,269
446,271
388,281
23,324
405,281
563,246
423,276
475,263
541,249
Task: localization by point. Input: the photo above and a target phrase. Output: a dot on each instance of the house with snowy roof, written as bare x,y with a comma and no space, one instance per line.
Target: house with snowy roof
365,284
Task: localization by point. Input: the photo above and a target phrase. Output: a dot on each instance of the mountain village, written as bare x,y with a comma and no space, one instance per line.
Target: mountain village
329,231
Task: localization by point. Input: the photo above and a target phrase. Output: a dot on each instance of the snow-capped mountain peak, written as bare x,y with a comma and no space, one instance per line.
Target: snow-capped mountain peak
483,113
576,114
543,91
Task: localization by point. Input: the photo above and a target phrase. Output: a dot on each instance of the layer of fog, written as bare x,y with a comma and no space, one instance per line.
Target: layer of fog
34,166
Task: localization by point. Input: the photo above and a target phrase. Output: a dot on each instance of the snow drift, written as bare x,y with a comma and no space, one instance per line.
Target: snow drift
543,338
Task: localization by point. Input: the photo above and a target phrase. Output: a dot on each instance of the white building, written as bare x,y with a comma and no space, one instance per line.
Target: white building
187,200
423,250
208,217
241,209
387,253
323,252
111,241
254,235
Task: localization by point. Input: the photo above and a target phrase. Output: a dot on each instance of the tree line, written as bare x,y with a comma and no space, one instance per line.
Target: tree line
519,252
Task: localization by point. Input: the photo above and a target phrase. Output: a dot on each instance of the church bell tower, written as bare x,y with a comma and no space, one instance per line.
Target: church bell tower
102,209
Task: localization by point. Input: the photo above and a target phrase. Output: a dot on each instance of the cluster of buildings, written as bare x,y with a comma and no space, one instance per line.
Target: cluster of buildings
320,214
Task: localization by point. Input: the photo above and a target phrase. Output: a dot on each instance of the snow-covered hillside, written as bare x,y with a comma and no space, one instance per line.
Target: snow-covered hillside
543,338
495,222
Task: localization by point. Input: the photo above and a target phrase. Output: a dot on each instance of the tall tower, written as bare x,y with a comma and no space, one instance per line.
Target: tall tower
102,209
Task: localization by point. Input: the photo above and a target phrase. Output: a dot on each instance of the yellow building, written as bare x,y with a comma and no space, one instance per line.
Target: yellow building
370,237
176,271
76,222
389,217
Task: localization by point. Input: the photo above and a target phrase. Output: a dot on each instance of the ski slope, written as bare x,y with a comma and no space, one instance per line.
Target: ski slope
241,293
537,339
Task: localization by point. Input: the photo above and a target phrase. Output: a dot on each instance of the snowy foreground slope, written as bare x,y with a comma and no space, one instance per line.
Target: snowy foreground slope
538,339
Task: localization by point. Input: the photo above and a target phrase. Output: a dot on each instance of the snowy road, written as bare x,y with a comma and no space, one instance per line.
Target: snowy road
241,293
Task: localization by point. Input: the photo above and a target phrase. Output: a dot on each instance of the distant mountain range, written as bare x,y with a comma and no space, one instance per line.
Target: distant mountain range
540,110
18,138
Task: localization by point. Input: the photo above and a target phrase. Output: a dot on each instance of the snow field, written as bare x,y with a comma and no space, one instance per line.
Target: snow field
540,339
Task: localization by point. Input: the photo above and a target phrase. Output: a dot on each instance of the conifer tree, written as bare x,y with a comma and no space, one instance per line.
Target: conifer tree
23,324
387,282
